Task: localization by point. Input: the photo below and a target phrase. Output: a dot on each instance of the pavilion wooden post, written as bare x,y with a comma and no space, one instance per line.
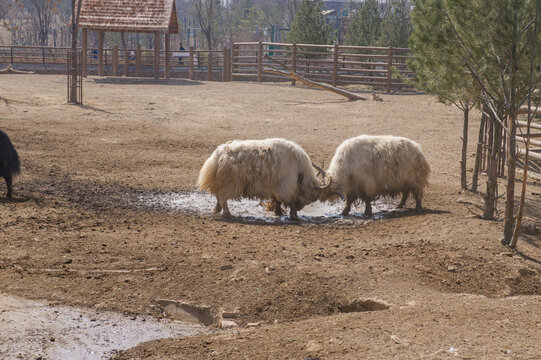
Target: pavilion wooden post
101,36
389,68
209,66
84,45
335,66
191,65
156,56
167,56
138,61
260,62
293,61
115,60
224,64
126,63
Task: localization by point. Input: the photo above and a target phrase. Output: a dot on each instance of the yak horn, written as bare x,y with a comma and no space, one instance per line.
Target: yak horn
320,170
339,193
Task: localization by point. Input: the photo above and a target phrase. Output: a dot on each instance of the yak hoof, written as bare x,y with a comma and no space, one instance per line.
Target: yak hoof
227,216
345,212
295,219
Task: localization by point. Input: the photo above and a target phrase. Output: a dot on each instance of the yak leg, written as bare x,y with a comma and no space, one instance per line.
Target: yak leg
293,212
223,203
347,209
9,185
278,208
418,200
218,207
405,195
367,207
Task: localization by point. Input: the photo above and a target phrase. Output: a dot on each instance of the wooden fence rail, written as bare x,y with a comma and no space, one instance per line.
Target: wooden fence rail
334,64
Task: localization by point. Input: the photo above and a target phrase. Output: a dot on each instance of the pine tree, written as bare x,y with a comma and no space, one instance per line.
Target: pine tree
309,25
439,71
396,27
498,43
365,29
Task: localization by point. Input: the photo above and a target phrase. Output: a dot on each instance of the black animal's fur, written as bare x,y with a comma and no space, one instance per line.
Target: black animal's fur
9,161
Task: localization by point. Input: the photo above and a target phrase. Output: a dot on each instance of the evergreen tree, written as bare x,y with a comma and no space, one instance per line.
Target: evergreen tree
365,29
439,71
396,27
309,25
497,41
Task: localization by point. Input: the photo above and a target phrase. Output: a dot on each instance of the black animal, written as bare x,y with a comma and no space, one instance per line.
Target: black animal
9,161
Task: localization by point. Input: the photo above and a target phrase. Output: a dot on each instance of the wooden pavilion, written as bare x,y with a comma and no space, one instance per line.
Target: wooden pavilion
136,16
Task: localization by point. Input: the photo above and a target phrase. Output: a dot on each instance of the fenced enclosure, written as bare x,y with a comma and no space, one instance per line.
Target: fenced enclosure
333,64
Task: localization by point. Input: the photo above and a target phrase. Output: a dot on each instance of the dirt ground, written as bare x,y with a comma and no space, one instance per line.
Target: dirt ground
448,288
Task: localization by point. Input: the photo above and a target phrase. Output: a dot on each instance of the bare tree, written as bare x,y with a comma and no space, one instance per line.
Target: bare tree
75,12
42,13
204,11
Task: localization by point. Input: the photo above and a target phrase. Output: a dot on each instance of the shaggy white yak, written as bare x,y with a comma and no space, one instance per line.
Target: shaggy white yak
365,167
272,169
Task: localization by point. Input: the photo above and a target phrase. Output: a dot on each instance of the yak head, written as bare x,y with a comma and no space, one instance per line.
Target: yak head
328,191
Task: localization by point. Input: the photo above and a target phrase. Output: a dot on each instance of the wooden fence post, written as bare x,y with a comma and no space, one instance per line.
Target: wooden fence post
167,56
389,70
209,66
335,66
126,63
101,36
84,45
156,56
224,64
115,60
138,61
229,66
260,62
294,62
234,54
191,70
11,53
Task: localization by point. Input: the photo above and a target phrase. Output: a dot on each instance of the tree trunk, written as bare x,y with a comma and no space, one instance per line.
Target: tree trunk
492,182
73,89
510,188
463,180
478,155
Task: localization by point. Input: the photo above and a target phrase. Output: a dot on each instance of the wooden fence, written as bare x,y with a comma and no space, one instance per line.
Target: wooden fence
501,158
119,62
333,64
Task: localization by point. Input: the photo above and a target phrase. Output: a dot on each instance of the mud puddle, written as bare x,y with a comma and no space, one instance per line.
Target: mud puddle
201,203
34,330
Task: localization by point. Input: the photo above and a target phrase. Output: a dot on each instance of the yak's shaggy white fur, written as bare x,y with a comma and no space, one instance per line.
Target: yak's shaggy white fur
275,169
366,167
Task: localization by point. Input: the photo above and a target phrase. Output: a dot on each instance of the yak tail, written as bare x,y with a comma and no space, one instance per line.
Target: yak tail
207,175
12,163
423,171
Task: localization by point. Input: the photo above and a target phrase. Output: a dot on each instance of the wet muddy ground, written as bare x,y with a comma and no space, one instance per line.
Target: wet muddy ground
105,220
32,330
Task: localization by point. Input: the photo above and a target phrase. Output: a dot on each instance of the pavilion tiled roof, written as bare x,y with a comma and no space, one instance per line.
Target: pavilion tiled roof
156,16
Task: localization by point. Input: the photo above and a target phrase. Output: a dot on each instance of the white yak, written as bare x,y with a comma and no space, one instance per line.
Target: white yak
272,169
365,167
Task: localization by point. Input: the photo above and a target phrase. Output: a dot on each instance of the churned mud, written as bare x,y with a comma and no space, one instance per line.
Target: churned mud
200,203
